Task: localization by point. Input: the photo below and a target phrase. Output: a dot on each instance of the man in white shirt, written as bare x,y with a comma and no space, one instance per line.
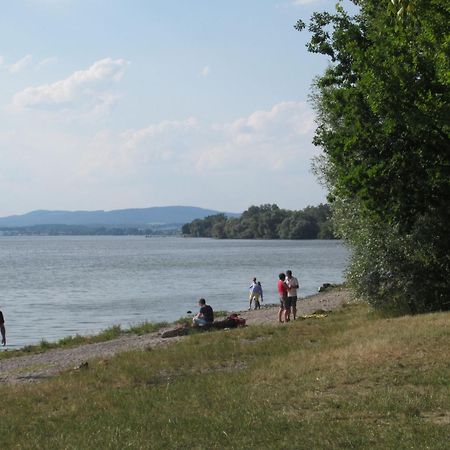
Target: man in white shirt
292,284
254,294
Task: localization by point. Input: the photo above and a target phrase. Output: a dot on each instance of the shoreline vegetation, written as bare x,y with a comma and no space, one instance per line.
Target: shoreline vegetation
87,230
266,222
382,106
374,381
106,335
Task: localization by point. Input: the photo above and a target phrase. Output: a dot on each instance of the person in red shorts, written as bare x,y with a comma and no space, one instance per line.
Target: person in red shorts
283,294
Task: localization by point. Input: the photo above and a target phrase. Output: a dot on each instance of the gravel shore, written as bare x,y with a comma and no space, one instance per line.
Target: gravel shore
41,366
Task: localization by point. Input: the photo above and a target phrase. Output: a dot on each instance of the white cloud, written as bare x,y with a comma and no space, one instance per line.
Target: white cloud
132,138
254,159
82,86
25,62
267,140
20,64
206,71
102,104
137,151
46,62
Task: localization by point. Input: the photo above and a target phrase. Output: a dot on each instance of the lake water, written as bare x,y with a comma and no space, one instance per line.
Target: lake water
52,287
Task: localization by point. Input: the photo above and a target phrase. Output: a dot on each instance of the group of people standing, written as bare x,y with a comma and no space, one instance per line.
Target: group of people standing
287,290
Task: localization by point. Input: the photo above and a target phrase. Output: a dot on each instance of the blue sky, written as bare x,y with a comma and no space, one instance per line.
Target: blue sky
109,104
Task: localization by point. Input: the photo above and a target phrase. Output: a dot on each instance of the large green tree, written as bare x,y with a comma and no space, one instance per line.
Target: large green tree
383,124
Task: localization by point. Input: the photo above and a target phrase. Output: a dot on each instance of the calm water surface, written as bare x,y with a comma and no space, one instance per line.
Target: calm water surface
52,287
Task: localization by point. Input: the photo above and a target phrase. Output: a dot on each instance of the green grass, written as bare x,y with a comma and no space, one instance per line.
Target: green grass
350,381
76,340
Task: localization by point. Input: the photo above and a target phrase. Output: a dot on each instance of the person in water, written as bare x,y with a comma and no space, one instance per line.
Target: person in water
2,329
205,316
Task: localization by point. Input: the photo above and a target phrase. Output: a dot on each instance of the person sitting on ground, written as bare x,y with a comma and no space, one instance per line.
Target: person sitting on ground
2,329
205,316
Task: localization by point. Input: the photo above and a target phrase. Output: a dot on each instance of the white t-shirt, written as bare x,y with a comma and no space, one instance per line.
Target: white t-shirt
292,292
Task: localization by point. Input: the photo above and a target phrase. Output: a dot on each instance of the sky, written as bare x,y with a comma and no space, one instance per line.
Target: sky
112,104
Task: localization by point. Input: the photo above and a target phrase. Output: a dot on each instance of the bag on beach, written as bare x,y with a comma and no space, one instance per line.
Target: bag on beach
236,321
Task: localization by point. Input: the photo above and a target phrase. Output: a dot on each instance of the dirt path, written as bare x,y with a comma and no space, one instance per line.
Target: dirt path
40,366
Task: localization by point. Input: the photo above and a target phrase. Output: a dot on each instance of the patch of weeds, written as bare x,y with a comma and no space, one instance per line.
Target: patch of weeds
146,327
185,321
110,333
26,349
71,341
45,345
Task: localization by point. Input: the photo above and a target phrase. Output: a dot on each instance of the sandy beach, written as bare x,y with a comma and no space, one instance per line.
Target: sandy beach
48,364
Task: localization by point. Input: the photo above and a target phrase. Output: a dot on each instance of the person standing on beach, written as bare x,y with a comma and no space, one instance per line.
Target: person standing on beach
2,329
254,294
282,292
292,285
260,291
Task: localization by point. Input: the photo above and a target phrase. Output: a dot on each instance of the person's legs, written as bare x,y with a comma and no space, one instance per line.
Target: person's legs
280,315
3,333
287,314
250,299
280,312
256,298
287,310
294,307
199,322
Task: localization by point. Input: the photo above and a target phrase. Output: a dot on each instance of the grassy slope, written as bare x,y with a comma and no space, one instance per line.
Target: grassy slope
352,380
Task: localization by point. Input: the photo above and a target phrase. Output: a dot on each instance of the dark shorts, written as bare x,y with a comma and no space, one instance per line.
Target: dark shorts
285,303
293,301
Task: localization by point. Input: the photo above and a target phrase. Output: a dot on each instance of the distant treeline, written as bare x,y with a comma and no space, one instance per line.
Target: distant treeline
83,230
265,222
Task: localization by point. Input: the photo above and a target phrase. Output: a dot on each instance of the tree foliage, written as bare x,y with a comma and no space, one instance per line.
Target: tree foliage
265,222
383,123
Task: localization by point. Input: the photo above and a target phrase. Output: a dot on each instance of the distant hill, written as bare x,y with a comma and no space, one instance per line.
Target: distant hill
116,218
